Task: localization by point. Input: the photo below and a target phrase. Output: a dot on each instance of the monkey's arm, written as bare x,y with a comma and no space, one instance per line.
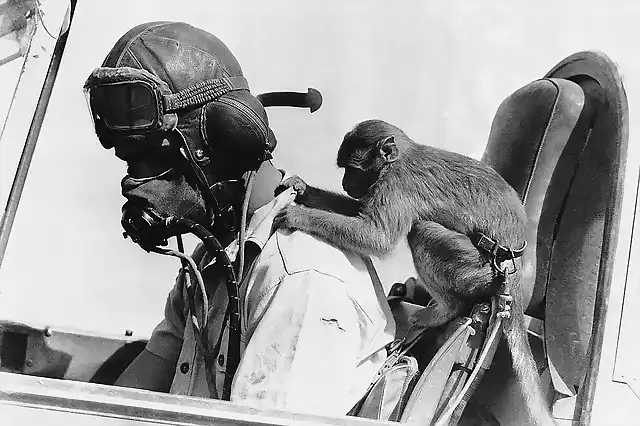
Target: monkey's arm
321,199
359,234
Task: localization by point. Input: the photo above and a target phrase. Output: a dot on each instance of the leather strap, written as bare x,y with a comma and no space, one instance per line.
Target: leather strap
203,92
497,253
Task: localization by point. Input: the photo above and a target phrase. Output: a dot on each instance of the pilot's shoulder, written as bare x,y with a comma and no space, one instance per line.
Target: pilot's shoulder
302,252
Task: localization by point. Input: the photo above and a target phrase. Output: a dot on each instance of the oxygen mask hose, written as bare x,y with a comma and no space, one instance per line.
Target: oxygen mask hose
200,330
147,236
189,265
213,246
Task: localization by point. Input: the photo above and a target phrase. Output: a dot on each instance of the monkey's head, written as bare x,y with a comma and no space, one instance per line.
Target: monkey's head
366,153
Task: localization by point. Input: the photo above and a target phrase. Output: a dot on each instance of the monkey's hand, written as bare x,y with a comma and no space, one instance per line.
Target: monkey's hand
292,217
297,184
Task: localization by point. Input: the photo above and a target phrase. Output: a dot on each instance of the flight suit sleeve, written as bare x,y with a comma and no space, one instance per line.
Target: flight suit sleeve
302,353
166,339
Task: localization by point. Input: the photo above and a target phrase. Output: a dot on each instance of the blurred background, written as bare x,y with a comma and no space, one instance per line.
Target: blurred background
438,70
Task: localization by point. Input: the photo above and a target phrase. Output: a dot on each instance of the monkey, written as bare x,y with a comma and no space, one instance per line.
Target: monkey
439,200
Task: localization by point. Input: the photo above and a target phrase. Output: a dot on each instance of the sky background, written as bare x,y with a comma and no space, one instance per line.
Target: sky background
438,70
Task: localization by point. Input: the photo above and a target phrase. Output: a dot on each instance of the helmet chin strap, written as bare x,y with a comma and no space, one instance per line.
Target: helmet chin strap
211,202
243,223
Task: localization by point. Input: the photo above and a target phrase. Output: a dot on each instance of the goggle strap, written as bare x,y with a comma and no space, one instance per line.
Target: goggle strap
203,93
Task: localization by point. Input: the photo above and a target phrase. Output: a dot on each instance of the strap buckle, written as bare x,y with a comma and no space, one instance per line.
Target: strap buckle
498,253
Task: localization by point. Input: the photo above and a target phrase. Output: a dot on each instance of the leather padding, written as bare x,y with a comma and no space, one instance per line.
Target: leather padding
568,180
582,255
528,137
178,53
237,125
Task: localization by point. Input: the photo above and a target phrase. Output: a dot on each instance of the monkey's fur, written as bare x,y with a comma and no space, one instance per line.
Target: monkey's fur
437,199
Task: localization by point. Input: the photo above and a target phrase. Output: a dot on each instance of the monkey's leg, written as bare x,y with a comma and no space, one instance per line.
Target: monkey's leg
451,268
453,271
439,311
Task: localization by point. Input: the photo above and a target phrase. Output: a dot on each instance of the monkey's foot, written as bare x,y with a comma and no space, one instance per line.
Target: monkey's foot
432,315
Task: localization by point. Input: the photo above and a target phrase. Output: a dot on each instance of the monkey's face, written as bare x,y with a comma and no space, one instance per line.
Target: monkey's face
357,181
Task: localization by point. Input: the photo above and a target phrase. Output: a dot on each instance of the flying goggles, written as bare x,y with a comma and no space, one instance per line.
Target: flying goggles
134,100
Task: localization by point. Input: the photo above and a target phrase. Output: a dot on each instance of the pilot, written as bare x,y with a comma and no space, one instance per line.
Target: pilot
172,102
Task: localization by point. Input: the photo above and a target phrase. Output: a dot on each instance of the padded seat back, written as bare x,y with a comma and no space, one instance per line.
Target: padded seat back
561,142
529,134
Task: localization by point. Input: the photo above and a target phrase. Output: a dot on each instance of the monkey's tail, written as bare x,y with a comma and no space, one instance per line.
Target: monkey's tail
526,370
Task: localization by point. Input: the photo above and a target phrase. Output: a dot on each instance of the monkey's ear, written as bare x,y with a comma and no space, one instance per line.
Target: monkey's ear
389,149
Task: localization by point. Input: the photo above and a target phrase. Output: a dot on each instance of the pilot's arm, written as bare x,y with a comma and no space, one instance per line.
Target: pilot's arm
154,368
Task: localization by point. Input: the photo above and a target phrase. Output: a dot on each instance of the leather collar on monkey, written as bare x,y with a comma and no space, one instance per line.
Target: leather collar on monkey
172,101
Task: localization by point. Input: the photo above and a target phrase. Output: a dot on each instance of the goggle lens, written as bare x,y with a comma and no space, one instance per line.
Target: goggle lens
124,106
